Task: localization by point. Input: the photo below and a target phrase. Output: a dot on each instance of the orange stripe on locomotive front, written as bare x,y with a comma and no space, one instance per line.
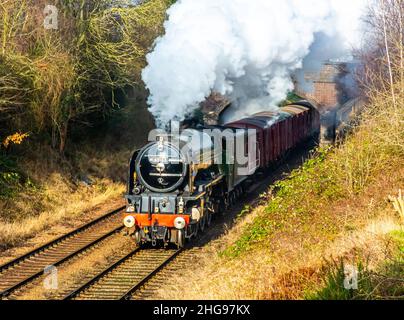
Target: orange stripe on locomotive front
163,220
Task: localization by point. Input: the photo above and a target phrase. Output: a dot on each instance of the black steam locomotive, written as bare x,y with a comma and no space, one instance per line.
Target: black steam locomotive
180,181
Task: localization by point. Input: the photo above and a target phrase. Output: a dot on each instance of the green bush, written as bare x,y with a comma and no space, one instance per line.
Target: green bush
334,288
12,181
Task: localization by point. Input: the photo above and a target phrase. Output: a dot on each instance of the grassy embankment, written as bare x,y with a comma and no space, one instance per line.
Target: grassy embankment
39,188
333,212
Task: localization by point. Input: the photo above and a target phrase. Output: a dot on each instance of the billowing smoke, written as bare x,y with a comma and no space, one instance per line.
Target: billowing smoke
244,49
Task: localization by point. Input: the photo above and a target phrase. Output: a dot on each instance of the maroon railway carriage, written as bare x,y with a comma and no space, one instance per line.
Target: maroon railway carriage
279,132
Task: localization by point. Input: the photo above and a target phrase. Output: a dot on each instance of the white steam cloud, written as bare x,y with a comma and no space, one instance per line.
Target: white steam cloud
244,49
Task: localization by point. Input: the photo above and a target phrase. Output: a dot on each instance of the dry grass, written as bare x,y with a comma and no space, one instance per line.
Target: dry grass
105,163
62,205
55,196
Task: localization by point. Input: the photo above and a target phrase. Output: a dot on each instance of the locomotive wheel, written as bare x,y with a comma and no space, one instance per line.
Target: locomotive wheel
232,199
195,230
180,239
240,191
209,216
221,207
228,201
202,223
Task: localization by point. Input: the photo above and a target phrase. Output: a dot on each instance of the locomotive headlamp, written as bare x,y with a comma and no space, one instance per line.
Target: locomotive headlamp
179,223
129,221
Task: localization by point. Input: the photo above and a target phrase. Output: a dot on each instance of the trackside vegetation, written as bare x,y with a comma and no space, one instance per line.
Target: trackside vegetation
52,79
68,100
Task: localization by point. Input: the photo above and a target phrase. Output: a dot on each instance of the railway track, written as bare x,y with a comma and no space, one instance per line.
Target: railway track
136,275
124,278
16,274
164,276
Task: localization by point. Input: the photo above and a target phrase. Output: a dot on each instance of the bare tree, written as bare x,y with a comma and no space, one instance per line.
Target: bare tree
383,55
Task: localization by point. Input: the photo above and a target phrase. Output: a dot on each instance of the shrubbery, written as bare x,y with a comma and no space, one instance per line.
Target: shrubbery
50,79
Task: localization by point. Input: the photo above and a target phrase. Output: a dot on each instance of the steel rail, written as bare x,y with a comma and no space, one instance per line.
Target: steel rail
32,277
58,240
89,283
142,282
113,274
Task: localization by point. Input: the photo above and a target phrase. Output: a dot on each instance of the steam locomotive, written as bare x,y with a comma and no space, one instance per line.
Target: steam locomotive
178,182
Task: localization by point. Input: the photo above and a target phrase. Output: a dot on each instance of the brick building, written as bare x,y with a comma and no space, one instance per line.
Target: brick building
329,88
